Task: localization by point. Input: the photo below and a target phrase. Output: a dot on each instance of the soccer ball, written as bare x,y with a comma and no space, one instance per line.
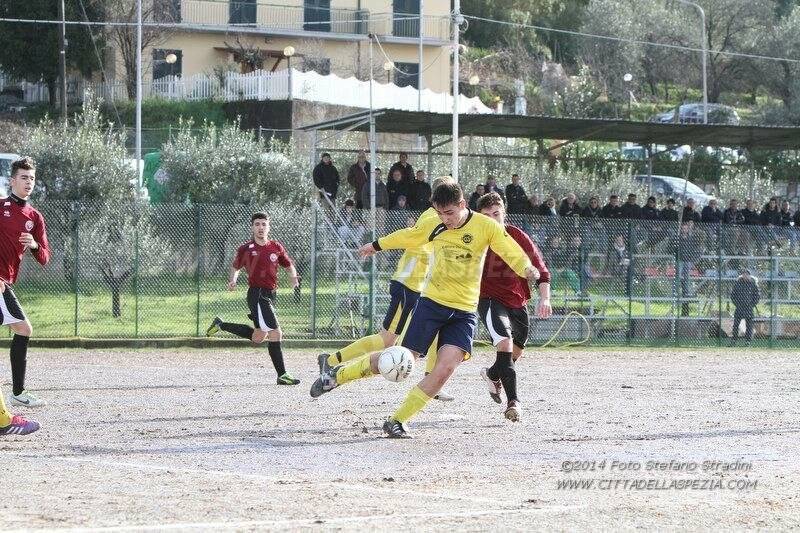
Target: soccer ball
395,363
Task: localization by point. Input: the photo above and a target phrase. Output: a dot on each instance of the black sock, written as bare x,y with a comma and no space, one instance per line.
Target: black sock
495,371
276,354
240,330
504,368
19,361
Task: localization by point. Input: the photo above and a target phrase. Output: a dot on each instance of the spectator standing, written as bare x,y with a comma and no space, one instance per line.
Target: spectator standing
405,168
770,215
688,249
711,214
516,197
569,206
631,210
548,208
734,238
358,176
592,209
396,187
655,231
419,198
650,211
745,297
612,209
480,190
326,178
381,193
689,212
669,213
732,215
749,214
786,225
491,186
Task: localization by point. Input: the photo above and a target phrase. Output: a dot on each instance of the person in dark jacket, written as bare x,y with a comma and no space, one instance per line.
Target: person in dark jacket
492,186
480,190
326,178
787,231
516,197
650,210
548,208
749,214
711,214
592,209
770,215
405,168
745,297
381,193
689,213
631,210
358,176
612,209
569,206
688,248
733,215
396,187
669,213
419,198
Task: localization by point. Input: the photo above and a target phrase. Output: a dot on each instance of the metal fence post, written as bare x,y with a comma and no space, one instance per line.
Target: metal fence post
772,307
136,272
313,309
198,265
629,284
76,210
719,284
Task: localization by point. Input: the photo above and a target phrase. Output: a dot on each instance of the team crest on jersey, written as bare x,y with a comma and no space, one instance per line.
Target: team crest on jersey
273,257
466,239
7,213
29,225
252,245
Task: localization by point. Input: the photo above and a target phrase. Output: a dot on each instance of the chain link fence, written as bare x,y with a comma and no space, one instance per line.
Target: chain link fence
160,271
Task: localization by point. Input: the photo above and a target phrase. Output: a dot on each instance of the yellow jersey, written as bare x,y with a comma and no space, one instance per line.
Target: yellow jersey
458,254
412,267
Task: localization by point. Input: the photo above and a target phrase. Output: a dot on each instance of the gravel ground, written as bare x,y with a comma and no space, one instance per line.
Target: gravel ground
205,440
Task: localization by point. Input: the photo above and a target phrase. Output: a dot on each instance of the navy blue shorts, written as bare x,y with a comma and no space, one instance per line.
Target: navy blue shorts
454,327
400,307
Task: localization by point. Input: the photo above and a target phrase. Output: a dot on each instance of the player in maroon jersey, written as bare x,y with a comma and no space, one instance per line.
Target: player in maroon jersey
22,229
503,307
260,258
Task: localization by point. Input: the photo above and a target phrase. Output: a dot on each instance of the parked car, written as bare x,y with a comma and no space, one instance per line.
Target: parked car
673,187
693,114
5,171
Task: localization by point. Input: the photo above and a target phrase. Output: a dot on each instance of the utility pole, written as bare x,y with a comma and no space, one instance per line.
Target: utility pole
138,92
62,60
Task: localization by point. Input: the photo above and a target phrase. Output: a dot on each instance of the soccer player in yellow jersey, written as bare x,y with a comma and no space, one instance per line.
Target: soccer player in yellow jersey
353,362
450,298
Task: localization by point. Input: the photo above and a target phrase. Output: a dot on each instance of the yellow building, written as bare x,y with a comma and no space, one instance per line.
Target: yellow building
328,36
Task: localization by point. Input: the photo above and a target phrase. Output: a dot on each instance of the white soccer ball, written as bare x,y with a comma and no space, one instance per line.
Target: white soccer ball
396,363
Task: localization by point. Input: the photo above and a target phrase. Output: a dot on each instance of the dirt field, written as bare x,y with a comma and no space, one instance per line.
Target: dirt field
205,440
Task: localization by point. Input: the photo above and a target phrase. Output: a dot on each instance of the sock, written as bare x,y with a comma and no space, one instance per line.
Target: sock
240,330
364,345
413,404
358,369
5,416
495,371
19,361
508,376
276,354
430,358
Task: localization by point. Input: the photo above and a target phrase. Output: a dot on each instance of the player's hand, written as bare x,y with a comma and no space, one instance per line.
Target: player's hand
367,251
532,274
295,281
231,285
27,240
544,310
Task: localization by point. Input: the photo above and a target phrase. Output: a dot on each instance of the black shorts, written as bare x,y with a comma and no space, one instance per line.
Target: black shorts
10,310
262,308
400,307
504,323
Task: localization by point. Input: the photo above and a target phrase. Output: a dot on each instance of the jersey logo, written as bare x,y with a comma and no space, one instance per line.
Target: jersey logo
436,232
466,239
253,253
7,213
29,225
252,245
273,257
6,204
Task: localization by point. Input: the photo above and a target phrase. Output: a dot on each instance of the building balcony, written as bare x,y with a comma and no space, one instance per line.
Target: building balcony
256,17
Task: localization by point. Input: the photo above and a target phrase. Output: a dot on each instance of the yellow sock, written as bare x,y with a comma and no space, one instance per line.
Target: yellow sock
430,358
5,416
364,345
413,404
358,369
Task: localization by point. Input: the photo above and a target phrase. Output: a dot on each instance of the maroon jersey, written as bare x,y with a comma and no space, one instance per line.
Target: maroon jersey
261,262
501,283
19,217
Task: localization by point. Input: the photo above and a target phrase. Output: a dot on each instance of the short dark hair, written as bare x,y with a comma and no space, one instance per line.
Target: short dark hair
447,194
670,201
23,163
259,216
489,200
349,202
613,196
631,195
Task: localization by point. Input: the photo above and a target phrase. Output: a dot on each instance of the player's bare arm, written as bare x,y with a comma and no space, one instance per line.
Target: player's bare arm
233,277
543,308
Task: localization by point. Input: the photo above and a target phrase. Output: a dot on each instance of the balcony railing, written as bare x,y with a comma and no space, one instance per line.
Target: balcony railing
251,14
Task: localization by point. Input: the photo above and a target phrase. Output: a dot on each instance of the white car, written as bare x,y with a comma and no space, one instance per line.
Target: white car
674,187
5,171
